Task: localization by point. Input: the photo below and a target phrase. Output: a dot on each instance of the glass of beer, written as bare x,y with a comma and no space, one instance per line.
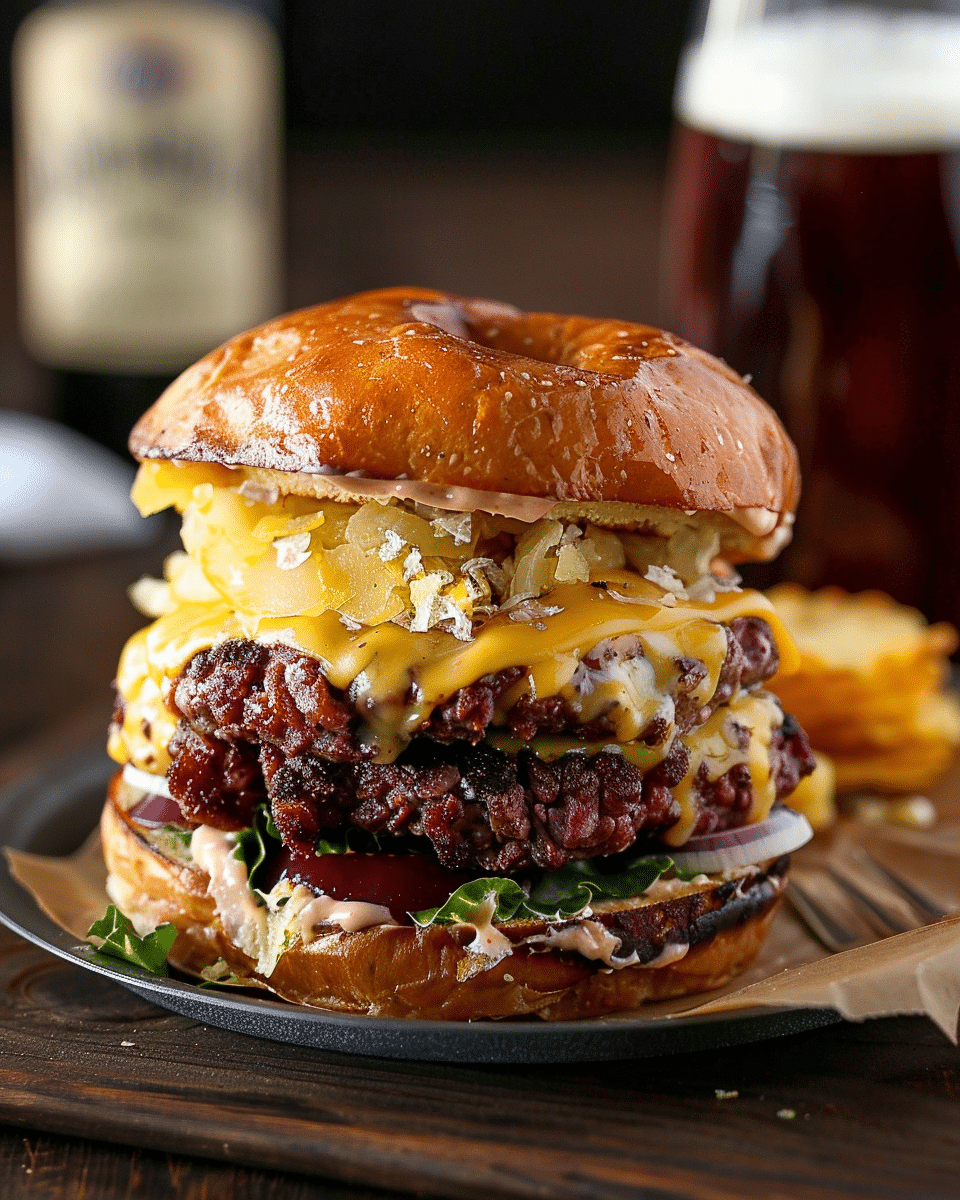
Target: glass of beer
813,241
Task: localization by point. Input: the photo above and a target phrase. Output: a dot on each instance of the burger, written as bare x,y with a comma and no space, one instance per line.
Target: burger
452,705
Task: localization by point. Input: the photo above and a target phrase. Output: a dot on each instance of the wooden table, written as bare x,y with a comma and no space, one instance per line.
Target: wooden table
848,1111
104,1097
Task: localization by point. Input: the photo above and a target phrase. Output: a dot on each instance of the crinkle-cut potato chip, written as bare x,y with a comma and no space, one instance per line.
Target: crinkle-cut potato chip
909,768
858,632
870,689
845,723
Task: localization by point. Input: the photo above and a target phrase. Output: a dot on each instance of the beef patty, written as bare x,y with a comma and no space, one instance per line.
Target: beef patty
242,691
479,807
262,723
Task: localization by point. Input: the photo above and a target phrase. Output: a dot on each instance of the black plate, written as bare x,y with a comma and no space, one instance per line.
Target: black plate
52,811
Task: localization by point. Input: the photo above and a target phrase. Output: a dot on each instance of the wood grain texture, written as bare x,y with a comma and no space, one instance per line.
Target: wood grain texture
37,1166
876,1108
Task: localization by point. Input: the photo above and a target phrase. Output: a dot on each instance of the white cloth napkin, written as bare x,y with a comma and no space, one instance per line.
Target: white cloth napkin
61,493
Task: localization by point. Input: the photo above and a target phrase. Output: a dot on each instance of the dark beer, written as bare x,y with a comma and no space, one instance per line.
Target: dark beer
831,275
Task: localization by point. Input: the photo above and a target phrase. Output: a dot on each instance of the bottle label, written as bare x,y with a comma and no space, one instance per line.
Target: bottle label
147,149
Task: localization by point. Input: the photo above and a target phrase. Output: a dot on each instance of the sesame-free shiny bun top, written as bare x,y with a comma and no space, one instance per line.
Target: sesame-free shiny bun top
411,384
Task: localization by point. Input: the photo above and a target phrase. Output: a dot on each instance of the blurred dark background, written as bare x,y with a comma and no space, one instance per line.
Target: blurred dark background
514,150
549,65
429,66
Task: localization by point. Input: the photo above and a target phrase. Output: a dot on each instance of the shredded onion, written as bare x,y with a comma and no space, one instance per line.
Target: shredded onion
783,831
153,785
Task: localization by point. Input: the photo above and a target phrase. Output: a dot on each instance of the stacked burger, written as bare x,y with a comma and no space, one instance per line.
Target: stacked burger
452,706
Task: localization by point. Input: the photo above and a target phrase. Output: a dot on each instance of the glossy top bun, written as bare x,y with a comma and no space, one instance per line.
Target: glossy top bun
421,385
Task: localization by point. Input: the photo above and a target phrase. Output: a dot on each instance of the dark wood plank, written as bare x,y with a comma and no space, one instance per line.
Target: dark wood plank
875,1107
39,1166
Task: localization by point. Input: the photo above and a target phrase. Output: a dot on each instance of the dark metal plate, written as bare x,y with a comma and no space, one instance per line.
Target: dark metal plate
51,812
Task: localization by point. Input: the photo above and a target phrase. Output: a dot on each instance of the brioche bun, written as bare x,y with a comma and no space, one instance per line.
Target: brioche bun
403,971
411,384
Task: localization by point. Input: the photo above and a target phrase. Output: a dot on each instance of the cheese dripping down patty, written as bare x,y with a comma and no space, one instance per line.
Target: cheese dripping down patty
397,674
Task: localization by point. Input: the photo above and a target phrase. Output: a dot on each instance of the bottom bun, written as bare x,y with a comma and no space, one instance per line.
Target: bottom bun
406,971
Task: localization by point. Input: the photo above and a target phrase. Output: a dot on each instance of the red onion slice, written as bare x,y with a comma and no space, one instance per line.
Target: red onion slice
153,785
782,832
156,811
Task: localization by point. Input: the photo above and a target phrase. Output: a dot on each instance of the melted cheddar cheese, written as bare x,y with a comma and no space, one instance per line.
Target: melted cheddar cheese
398,675
719,745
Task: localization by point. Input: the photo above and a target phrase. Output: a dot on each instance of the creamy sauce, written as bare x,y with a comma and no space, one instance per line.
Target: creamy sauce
265,929
489,941
436,495
349,915
759,522
671,953
588,938
668,889
243,919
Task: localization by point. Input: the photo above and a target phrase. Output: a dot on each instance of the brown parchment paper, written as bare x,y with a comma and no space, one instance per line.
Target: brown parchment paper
911,973
71,891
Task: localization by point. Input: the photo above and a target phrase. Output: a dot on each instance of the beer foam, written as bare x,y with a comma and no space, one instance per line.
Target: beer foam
846,80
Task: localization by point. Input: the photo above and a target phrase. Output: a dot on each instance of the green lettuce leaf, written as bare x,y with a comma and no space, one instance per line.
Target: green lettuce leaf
254,844
358,841
575,886
559,895
183,836
120,939
363,841
467,899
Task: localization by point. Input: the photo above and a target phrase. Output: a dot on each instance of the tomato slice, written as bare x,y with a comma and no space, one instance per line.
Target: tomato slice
403,883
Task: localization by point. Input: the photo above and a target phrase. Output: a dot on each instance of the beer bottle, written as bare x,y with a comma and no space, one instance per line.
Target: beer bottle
147,138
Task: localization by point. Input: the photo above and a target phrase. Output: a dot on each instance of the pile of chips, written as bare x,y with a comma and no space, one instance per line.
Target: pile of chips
871,688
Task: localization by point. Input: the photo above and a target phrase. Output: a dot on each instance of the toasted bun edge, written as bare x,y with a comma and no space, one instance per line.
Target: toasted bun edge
401,971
